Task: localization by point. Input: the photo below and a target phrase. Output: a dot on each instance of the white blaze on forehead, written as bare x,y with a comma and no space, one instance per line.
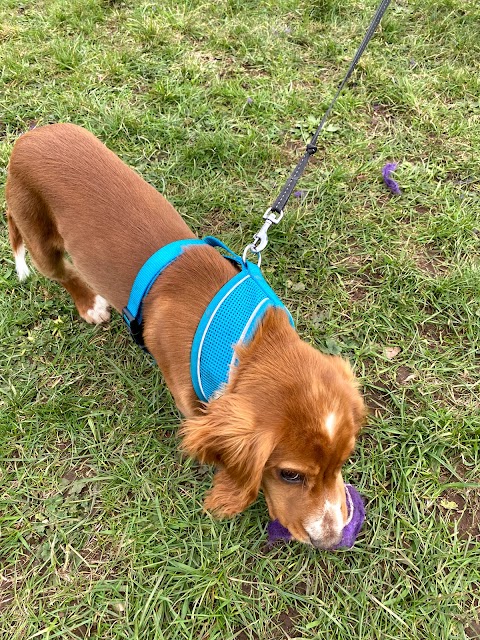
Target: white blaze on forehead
330,423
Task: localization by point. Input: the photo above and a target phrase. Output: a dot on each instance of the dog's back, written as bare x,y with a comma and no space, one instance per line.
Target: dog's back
67,192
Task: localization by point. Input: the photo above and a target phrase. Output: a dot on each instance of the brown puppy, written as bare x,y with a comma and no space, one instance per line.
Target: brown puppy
289,416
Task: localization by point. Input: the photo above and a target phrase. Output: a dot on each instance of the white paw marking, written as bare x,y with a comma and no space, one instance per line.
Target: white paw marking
21,266
99,313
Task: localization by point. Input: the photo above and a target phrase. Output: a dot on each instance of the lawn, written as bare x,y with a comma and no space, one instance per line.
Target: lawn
102,533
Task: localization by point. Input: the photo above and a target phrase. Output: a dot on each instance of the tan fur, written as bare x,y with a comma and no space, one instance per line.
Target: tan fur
68,194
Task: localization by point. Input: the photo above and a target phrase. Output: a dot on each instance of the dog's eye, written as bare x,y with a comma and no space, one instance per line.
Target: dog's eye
291,476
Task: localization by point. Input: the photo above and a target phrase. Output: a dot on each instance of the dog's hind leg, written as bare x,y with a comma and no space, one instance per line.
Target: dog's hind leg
18,248
30,224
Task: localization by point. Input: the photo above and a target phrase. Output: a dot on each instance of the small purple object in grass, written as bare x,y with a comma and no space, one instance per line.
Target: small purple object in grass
355,519
299,194
387,170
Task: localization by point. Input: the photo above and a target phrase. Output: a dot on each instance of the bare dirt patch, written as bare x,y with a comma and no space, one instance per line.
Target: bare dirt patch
357,293
472,630
7,588
404,375
377,400
430,260
382,118
282,627
463,509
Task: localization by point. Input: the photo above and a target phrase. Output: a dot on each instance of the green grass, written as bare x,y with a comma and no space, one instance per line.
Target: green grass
102,534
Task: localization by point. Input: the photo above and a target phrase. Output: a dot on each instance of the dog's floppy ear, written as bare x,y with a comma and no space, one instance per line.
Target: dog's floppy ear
226,435
359,410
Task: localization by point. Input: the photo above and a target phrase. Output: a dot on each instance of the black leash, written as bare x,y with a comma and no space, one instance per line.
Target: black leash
274,214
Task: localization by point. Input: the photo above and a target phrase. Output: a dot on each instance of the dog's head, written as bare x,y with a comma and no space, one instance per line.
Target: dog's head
286,423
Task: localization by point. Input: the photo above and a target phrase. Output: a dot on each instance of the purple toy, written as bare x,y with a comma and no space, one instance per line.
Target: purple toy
387,171
277,531
356,516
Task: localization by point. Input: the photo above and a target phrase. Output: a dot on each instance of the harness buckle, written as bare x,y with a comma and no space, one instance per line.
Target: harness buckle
134,327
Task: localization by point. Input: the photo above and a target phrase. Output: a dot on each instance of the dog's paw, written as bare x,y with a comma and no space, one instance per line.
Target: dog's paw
21,266
99,312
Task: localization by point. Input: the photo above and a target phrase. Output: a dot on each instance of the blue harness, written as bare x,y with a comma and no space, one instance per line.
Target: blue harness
230,319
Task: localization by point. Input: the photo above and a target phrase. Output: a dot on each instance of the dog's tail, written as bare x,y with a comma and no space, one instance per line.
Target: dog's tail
18,248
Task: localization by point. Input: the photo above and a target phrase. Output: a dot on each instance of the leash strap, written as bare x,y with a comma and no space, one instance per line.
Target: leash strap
274,214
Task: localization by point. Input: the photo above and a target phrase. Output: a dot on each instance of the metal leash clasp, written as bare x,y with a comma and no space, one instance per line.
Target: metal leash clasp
260,239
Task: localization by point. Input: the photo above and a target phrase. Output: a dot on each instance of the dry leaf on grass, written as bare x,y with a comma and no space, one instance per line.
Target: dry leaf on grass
391,352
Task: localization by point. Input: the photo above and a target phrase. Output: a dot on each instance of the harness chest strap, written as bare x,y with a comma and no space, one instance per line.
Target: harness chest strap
153,267
229,320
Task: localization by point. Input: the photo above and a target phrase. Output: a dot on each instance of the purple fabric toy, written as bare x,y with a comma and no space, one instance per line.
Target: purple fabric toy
355,518
387,171
277,531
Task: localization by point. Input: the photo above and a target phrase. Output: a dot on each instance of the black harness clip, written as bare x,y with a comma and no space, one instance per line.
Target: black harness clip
134,327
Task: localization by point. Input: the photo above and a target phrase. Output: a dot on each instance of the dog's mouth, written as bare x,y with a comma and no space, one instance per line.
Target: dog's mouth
299,535
296,532
326,544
